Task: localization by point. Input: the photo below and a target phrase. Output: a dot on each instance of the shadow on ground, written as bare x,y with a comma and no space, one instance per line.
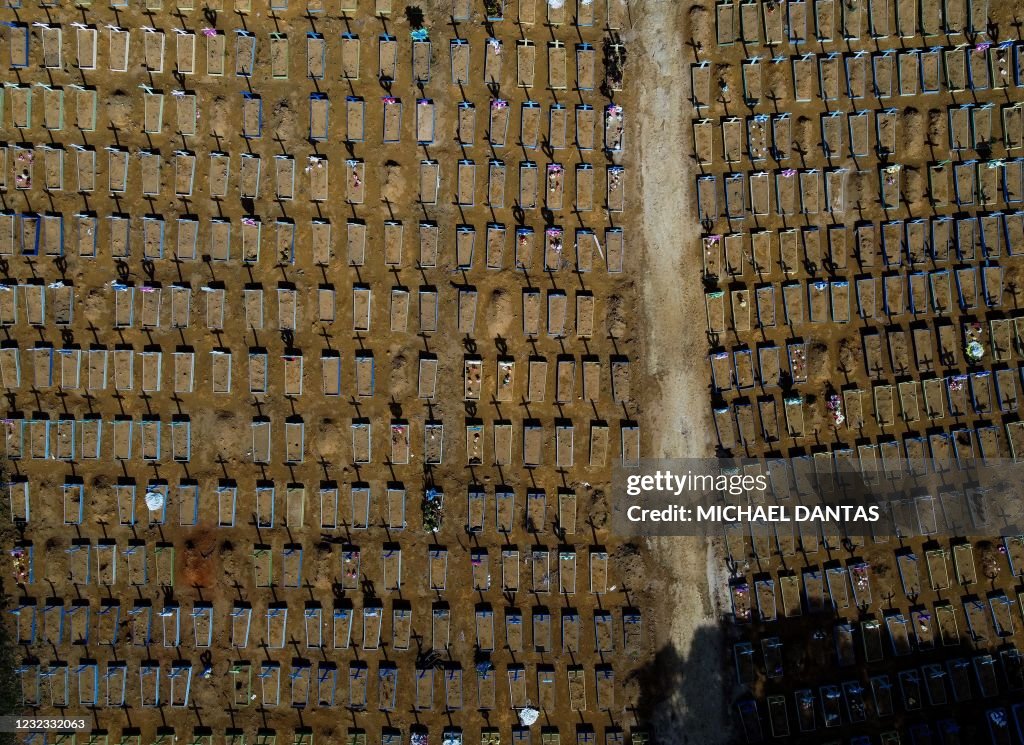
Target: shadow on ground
681,697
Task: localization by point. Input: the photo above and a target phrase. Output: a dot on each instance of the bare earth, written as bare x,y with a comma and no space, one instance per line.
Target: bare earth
676,412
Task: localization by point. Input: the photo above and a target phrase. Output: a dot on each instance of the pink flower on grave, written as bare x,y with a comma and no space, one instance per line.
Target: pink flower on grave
249,221
553,232
209,32
389,99
789,172
499,104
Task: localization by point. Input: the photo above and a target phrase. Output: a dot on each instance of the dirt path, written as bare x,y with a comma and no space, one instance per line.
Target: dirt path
677,416
676,348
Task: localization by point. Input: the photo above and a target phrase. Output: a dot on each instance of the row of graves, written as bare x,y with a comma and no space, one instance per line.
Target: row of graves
821,24
244,242
550,184
898,250
610,14
251,239
153,308
155,439
238,52
530,125
991,189
304,735
967,129
923,640
303,685
191,321
99,368
986,72
499,512
770,423
388,735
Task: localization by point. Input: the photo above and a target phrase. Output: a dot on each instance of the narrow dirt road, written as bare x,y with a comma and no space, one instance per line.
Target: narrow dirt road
687,701
676,351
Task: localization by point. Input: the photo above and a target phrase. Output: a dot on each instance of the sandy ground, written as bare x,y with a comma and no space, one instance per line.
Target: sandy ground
677,416
675,344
